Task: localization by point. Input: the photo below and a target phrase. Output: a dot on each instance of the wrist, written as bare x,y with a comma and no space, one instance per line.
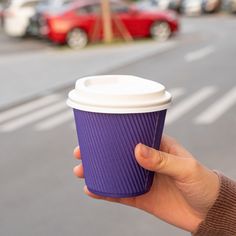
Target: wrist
221,217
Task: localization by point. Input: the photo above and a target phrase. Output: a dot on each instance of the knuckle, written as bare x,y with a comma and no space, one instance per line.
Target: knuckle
194,164
160,160
173,149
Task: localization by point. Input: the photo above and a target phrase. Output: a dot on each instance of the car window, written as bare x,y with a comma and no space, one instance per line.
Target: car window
67,2
29,4
119,8
95,8
90,9
81,11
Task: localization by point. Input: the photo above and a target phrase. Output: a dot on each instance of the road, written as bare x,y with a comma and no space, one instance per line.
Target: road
12,46
40,195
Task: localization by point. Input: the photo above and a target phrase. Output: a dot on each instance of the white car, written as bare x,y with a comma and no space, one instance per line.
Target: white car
192,7
163,4
17,16
210,6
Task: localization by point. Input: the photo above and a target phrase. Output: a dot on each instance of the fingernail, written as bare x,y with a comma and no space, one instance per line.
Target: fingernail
145,151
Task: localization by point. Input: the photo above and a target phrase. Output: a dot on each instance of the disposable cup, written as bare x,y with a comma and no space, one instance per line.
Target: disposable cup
113,113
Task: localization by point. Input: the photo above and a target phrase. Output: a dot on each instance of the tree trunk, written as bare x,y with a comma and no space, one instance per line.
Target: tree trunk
107,23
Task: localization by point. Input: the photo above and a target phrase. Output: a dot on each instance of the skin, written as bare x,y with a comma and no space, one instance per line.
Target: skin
183,189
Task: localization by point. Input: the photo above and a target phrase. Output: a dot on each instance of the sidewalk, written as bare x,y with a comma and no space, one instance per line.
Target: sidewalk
26,75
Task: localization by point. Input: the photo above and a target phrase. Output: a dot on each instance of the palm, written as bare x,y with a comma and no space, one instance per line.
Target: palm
167,202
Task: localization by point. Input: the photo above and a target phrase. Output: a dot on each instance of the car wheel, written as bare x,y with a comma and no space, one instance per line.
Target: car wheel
77,38
160,31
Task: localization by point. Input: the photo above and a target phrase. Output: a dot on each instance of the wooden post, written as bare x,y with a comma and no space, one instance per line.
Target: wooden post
107,23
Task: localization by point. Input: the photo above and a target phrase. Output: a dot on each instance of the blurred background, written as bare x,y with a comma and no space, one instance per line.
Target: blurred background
45,45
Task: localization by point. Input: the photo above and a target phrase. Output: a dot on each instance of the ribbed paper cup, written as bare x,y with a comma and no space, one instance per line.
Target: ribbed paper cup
113,114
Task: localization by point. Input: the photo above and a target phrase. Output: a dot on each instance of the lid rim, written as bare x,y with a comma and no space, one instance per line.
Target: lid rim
118,94
118,110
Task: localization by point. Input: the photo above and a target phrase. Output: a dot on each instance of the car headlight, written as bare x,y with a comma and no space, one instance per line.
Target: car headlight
60,26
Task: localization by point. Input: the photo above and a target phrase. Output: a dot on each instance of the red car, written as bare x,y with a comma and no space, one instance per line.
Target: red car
81,23
1,15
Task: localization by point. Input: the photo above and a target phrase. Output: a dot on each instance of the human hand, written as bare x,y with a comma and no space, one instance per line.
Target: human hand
183,190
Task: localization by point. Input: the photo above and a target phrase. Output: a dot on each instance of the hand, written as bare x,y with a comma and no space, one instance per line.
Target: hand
183,190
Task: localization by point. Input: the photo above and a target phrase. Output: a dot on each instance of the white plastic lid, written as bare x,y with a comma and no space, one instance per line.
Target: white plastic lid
118,94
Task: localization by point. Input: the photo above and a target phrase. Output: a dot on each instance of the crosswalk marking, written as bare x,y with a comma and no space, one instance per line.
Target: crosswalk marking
32,117
22,109
188,104
51,111
55,121
199,54
177,92
218,108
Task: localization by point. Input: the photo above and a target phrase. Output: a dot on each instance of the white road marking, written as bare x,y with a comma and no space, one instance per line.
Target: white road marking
208,116
189,103
216,110
30,106
177,92
32,117
54,121
199,54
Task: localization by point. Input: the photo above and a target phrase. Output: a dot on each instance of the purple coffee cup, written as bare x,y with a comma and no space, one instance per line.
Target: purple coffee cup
114,113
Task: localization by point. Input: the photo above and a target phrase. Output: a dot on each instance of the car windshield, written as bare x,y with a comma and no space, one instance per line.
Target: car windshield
54,6
54,3
146,5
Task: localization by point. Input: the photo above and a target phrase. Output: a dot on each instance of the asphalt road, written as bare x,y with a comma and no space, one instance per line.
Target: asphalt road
40,195
11,45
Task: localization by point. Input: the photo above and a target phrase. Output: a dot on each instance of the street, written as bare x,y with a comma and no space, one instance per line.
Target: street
39,193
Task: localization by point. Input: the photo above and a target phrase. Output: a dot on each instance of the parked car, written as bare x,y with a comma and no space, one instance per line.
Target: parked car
232,6
1,15
175,5
211,6
76,24
147,5
44,7
163,4
229,5
191,7
17,15
159,4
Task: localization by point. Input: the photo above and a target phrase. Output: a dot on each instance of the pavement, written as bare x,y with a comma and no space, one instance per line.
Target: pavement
39,194
46,70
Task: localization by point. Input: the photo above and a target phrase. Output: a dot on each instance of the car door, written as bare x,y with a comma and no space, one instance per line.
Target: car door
87,18
132,19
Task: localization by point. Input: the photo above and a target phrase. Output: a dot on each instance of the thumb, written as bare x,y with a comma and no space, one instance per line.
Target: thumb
165,163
